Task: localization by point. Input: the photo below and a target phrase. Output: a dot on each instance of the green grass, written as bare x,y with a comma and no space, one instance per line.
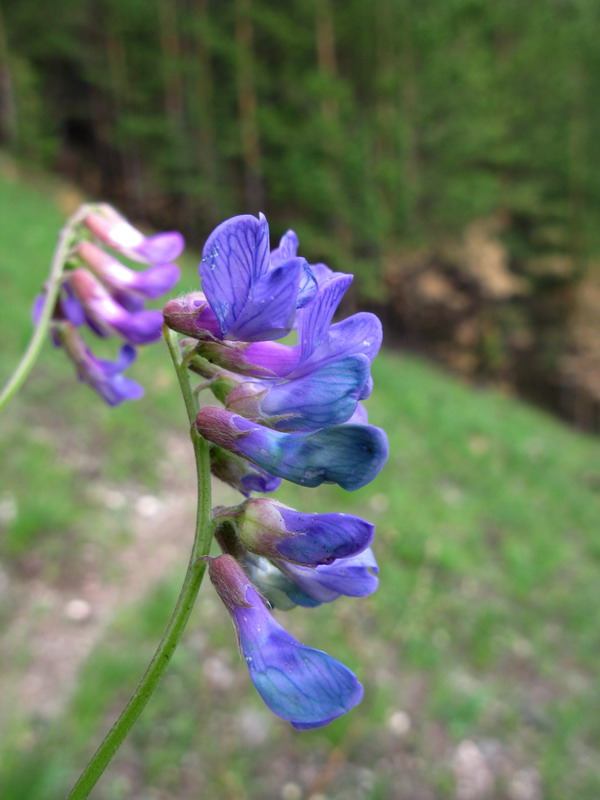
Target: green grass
485,626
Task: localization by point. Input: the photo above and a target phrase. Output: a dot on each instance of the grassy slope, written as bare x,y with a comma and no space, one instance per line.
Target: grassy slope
484,627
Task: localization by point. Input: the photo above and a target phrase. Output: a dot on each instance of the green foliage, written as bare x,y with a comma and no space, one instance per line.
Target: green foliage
364,124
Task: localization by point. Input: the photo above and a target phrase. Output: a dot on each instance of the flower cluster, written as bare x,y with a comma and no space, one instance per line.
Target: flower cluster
102,294
290,411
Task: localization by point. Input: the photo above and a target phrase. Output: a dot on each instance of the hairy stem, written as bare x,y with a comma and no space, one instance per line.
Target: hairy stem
185,602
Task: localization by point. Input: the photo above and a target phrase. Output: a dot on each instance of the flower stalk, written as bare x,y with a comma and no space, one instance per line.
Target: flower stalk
40,333
193,579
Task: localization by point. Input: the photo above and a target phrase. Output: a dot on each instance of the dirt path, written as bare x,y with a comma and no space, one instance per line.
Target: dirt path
55,627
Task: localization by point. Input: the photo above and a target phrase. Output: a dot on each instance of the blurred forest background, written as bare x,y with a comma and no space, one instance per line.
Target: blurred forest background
445,152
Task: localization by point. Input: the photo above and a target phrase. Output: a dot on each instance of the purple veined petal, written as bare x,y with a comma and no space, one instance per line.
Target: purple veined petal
150,283
308,288
288,248
234,258
315,319
307,687
103,310
269,528
105,377
323,273
355,576
270,307
359,333
349,455
326,396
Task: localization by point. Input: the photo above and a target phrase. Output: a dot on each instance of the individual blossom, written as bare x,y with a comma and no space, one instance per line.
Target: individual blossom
320,342
307,687
248,293
114,230
106,377
349,455
108,317
148,284
326,396
269,528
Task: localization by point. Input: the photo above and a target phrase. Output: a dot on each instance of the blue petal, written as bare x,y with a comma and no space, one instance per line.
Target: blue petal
234,257
314,320
359,333
322,538
298,683
349,455
288,248
324,397
355,576
270,308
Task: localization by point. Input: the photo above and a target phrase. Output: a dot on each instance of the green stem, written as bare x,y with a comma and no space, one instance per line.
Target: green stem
65,241
185,602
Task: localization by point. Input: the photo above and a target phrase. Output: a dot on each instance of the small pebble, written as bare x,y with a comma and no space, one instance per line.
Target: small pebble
78,610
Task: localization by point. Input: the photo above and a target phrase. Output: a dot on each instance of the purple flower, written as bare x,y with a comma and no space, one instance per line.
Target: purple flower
349,455
253,298
326,396
320,342
104,376
271,529
114,230
307,687
150,283
106,316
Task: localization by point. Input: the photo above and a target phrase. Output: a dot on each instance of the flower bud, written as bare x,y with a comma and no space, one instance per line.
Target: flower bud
108,316
149,283
114,230
271,529
192,316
